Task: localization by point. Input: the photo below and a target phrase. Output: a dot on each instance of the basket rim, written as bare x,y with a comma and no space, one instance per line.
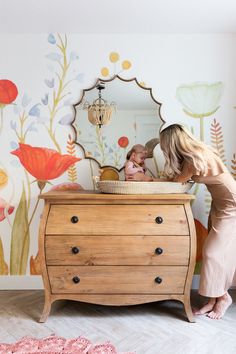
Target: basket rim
111,182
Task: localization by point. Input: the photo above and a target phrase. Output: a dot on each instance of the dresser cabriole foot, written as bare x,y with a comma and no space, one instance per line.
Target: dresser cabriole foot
46,311
188,310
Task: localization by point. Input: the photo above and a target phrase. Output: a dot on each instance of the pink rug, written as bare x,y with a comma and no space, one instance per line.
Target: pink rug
57,345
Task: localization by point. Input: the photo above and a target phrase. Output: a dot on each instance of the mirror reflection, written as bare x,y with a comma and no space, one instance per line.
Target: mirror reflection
114,115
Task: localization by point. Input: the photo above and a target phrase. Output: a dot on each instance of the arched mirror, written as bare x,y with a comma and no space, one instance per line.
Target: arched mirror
112,116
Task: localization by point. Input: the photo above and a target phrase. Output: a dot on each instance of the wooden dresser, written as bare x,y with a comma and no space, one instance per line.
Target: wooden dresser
117,249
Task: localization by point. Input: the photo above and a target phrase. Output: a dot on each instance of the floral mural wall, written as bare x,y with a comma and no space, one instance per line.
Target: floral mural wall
201,101
37,150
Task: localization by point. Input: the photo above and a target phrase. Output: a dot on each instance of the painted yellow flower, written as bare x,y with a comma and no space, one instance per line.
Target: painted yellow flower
3,178
114,57
126,64
105,71
200,99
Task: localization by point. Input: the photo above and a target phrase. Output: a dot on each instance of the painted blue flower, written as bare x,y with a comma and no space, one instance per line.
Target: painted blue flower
80,77
51,38
14,145
13,125
45,99
32,127
49,83
65,120
35,111
25,101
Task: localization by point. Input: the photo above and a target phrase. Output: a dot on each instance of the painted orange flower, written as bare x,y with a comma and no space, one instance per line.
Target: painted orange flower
123,141
5,208
202,233
43,163
8,92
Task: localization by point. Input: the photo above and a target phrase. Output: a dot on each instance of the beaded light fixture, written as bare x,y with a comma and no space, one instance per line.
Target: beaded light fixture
100,111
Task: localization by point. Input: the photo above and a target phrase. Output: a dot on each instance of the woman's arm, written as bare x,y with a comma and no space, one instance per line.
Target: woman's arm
186,174
139,177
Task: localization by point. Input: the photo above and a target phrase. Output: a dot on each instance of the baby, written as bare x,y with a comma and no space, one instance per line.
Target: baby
135,163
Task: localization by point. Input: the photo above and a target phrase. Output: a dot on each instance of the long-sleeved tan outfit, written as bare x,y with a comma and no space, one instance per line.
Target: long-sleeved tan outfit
219,261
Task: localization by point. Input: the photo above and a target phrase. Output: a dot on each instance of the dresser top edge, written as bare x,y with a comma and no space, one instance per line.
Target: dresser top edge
98,196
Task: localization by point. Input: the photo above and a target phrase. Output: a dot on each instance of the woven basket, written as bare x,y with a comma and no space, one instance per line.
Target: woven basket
126,187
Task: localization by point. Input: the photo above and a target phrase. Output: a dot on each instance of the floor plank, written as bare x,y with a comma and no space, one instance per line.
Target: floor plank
159,327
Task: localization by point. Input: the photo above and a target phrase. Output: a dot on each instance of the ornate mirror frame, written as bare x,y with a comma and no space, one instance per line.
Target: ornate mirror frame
101,81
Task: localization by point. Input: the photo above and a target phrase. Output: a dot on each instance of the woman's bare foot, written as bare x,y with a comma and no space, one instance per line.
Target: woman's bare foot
206,308
222,303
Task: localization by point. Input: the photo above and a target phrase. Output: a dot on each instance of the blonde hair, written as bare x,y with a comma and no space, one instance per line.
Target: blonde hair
179,146
136,148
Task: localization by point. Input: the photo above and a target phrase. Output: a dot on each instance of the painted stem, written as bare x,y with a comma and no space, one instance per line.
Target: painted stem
28,227
202,128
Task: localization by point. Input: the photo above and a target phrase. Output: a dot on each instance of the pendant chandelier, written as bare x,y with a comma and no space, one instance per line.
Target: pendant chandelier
100,111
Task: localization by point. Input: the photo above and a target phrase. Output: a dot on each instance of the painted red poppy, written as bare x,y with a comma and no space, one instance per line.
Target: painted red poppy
8,92
43,163
123,141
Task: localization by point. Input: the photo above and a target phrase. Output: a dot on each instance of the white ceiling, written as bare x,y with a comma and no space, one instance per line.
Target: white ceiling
118,16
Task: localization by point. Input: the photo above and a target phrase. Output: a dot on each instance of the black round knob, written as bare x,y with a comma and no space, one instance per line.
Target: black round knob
158,250
76,280
158,280
74,219
159,220
75,250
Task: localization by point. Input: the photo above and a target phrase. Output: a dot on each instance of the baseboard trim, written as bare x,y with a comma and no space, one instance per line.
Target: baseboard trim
34,282
21,282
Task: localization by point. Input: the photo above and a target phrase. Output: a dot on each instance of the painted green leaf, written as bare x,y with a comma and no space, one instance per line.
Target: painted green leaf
20,238
3,265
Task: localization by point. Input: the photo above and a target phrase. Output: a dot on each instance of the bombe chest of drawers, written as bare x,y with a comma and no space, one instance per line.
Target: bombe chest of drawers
117,249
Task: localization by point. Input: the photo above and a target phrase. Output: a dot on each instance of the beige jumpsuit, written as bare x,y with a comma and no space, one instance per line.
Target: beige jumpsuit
219,250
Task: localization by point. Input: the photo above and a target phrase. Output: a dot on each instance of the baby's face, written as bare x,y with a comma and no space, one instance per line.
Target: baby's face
139,157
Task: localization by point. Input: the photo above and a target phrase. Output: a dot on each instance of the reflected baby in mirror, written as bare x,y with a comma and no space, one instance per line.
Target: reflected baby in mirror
135,163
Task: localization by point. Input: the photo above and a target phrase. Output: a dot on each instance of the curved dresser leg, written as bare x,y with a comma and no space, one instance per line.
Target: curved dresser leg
46,310
188,310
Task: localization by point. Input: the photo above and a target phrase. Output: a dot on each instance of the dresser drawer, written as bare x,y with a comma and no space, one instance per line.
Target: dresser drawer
117,220
117,280
117,250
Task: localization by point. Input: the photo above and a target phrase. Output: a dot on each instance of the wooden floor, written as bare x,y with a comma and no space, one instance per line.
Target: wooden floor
146,329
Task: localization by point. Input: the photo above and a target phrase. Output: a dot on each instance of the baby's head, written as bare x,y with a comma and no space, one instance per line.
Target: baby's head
138,154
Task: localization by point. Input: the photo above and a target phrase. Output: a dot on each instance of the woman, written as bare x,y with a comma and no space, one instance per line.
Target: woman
187,158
